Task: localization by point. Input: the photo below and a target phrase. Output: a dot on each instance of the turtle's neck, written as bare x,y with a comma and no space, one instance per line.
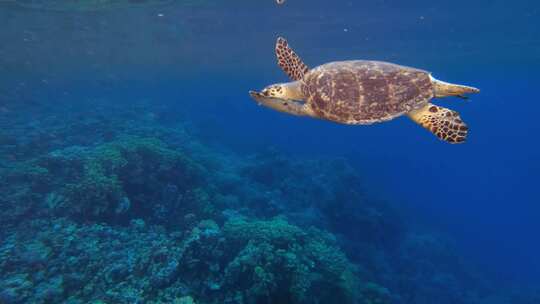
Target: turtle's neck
293,90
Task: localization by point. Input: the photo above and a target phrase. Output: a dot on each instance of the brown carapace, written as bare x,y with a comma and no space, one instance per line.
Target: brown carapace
364,92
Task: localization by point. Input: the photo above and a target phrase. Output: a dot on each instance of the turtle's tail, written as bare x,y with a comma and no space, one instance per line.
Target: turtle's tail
444,89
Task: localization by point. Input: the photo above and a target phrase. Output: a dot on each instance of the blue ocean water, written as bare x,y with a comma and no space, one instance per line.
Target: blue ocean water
85,77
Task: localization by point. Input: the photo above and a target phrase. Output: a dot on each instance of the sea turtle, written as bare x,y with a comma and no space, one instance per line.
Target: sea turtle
363,92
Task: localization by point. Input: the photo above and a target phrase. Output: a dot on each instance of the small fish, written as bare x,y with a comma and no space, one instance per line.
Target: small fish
280,1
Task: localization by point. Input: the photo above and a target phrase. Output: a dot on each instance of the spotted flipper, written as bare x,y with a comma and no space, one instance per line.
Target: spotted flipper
444,123
289,62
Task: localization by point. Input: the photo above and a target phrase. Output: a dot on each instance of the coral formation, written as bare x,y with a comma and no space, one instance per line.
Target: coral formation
288,264
151,215
80,263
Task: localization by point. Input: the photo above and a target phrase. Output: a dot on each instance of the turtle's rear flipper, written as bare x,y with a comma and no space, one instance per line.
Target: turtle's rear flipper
288,61
444,89
444,123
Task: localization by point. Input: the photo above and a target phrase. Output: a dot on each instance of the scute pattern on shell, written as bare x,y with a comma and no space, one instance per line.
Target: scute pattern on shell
365,92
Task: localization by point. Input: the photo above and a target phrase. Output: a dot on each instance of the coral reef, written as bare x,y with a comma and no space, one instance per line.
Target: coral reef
289,264
151,215
110,182
60,260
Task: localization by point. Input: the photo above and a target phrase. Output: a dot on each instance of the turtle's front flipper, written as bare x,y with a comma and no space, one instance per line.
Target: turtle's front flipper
289,62
444,123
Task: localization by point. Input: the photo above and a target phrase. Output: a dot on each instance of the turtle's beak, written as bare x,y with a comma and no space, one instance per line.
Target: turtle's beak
278,104
268,101
259,98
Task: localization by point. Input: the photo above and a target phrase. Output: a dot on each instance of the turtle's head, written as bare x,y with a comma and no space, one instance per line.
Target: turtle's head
285,91
283,97
278,90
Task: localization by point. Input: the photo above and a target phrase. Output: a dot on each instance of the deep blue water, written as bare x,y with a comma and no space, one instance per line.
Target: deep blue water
199,61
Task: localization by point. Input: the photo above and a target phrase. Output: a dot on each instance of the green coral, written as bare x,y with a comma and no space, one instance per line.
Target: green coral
95,192
201,201
135,150
184,300
278,231
31,173
17,286
22,186
125,168
288,264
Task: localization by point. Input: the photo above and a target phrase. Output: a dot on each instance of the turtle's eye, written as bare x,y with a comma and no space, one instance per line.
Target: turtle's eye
275,91
268,92
272,91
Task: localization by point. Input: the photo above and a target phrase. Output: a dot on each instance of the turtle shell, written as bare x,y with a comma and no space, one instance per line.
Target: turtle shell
365,92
